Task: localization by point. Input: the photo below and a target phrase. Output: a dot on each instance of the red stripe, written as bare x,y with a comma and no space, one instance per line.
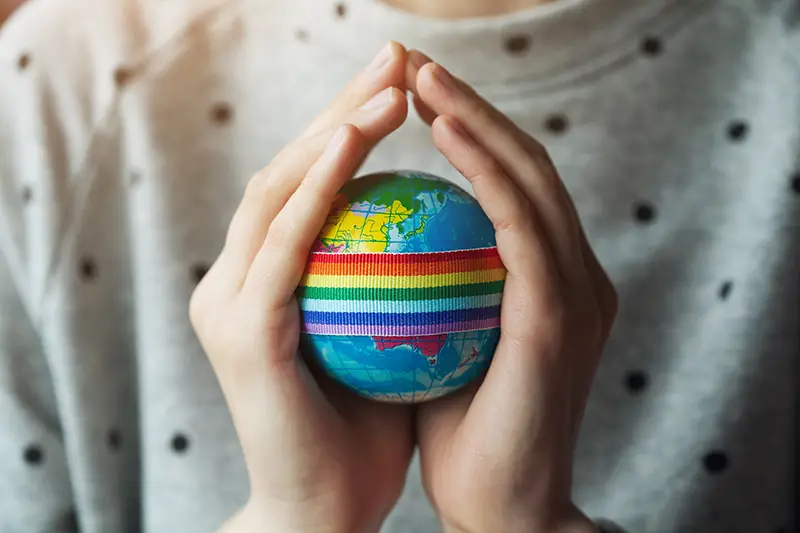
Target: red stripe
402,259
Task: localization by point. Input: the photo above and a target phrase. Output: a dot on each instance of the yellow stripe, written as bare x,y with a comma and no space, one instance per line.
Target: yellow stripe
404,282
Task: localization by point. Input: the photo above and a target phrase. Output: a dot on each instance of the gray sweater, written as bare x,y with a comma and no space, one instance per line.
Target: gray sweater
129,127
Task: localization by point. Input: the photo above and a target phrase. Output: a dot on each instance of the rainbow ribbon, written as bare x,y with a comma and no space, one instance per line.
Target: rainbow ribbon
409,294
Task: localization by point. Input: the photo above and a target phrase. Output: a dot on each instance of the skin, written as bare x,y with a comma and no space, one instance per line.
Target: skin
496,456
7,7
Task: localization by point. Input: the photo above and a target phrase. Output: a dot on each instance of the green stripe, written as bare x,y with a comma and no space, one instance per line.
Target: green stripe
423,293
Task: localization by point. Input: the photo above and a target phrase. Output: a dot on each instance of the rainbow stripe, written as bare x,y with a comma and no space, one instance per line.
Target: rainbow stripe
386,294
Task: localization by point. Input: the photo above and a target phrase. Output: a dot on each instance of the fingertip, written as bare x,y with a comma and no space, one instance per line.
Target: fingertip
396,64
416,60
397,50
352,138
426,78
396,96
398,108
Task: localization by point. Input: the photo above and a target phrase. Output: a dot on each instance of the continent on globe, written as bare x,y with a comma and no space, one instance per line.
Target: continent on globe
401,296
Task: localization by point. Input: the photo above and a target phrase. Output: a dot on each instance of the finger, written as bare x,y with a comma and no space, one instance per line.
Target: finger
281,261
521,157
607,302
427,114
523,249
527,397
416,60
270,189
387,69
526,373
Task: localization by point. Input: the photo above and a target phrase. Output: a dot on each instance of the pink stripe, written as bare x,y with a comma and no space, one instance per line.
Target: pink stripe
400,331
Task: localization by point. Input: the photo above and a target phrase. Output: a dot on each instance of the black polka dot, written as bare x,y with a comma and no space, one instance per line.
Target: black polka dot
651,46
26,194
517,44
795,181
715,461
221,113
301,35
114,439
725,290
636,381
737,130
557,123
23,61
644,212
199,270
180,443
87,268
33,454
122,76
340,9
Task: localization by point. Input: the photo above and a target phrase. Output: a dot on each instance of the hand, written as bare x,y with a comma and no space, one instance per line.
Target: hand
498,457
319,459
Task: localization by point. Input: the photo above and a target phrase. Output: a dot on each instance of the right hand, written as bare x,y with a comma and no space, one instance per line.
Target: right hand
319,458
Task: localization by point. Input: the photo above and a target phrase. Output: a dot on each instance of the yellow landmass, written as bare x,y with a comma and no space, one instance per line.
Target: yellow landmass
352,232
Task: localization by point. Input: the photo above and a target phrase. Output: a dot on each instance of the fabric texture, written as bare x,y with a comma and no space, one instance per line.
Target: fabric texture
400,294
128,129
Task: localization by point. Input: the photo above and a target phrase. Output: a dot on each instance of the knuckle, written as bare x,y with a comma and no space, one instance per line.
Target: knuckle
261,184
281,231
516,218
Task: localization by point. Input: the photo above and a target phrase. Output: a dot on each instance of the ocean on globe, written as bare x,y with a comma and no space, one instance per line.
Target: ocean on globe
400,300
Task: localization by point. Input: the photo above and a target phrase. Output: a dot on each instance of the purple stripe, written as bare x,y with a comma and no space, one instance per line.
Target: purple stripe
400,331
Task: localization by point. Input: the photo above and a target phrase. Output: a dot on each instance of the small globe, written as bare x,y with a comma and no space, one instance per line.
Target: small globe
401,297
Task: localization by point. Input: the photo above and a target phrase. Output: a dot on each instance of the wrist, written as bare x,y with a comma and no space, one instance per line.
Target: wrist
255,517
573,522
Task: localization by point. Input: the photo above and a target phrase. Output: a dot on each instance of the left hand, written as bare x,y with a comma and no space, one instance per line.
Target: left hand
498,456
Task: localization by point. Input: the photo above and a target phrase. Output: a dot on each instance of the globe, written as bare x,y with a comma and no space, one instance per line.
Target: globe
400,301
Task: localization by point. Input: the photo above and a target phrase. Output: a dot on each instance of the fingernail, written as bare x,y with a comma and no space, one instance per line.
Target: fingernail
383,57
418,59
380,100
445,78
337,140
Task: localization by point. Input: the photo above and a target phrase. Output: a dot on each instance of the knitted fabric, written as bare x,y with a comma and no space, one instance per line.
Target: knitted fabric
402,294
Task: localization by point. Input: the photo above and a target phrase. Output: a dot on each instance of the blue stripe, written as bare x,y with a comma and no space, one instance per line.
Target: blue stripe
401,319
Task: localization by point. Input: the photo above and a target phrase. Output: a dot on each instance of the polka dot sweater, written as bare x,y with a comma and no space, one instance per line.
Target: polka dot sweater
128,130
